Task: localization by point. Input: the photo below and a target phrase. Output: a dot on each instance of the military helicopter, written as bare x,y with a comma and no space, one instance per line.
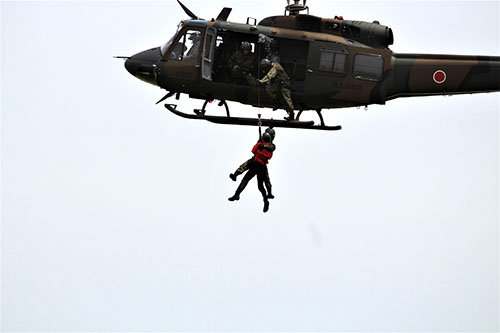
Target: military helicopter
330,62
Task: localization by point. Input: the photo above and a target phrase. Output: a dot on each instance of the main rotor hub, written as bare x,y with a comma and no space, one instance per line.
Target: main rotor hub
296,7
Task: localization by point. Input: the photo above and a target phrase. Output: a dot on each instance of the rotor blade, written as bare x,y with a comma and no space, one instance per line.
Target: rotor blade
224,14
187,11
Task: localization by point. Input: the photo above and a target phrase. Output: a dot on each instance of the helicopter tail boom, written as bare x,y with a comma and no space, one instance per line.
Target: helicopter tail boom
427,74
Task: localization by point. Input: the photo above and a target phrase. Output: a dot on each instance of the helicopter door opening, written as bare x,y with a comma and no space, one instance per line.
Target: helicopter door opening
208,54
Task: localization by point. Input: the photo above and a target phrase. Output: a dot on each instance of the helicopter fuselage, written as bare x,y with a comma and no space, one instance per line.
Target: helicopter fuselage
332,63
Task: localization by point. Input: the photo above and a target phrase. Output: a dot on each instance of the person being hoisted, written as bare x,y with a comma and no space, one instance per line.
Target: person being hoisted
257,167
278,87
246,165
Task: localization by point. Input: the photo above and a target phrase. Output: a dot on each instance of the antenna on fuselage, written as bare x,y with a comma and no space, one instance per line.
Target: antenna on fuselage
296,7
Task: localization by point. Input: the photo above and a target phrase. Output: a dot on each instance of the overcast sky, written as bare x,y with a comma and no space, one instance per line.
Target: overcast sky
115,214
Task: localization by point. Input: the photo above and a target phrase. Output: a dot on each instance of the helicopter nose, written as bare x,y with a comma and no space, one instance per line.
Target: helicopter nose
131,65
143,64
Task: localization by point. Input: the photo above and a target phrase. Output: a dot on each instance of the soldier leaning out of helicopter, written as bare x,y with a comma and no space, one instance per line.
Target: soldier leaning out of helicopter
242,65
278,85
246,165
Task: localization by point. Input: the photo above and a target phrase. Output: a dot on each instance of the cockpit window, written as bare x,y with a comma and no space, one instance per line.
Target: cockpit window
187,47
165,46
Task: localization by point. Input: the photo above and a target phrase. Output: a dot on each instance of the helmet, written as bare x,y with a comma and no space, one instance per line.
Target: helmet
246,46
266,137
271,131
194,36
265,62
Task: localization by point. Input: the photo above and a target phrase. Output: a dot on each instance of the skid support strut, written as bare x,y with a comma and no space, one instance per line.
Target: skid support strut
203,110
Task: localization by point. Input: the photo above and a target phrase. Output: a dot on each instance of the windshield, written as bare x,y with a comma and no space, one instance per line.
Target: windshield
165,46
187,48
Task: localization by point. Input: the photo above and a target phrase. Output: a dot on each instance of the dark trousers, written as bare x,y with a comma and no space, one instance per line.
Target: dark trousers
254,169
244,167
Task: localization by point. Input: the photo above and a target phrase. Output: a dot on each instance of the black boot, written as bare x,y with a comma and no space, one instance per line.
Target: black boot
266,206
291,116
270,195
234,197
234,175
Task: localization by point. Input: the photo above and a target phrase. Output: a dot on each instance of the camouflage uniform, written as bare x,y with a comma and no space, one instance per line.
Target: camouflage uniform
242,66
279,86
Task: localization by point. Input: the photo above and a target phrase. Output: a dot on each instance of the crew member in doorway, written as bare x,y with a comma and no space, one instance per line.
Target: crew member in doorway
242,65
278,87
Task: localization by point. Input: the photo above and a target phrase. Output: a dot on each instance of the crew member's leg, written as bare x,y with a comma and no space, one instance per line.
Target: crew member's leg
260,185
248,176
273,91
287,97
242,168
267,182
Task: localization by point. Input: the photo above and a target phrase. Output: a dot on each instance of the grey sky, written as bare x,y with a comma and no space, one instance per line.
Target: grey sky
115,214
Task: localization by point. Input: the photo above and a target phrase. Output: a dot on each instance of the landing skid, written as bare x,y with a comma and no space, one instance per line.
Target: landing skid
251,121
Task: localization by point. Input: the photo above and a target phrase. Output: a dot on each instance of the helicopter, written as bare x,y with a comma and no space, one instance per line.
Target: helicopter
331,63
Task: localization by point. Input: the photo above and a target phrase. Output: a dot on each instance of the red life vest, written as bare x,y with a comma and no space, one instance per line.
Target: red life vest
262,155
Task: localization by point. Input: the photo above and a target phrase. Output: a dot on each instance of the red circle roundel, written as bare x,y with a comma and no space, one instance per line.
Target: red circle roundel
439,76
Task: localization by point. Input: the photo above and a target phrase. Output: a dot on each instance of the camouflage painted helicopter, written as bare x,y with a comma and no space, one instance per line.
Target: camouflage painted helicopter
331,63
